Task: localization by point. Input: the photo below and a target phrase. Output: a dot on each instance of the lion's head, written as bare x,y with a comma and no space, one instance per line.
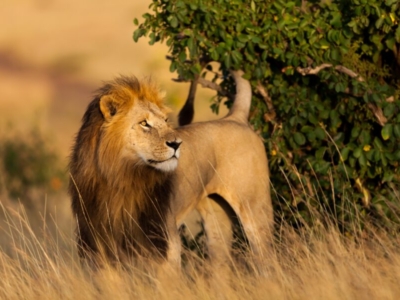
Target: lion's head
135,122
121,166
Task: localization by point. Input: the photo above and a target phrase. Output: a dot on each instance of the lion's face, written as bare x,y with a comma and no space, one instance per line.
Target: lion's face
139,130
150,137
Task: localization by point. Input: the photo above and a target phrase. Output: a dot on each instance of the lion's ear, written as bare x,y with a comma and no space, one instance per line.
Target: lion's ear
108,106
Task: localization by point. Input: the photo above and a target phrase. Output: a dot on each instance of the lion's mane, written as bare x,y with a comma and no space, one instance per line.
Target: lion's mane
119,204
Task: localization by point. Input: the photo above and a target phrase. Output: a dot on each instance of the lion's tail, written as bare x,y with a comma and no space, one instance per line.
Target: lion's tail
241,105
239,110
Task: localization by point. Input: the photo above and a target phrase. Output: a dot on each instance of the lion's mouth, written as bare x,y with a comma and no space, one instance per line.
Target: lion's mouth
154,162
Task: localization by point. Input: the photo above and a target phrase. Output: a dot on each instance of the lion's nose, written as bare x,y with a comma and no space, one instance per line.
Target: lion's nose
174,144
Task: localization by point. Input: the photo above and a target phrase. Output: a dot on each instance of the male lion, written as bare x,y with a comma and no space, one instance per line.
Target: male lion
134,178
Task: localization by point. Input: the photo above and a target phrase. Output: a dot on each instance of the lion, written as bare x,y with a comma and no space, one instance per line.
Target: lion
134,178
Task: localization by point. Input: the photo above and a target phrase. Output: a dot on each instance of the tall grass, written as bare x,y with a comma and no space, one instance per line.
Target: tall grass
308,264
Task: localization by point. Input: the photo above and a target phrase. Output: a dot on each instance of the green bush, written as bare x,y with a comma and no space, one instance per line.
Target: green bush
28,162
325,76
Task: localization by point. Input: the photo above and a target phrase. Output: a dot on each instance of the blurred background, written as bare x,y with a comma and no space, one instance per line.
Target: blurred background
53,55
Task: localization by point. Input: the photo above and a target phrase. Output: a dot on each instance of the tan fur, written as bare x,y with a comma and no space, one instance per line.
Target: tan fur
129,201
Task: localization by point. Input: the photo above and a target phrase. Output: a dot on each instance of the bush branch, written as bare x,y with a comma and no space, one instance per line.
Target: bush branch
312,71
270,116
207,84
377,111
339,68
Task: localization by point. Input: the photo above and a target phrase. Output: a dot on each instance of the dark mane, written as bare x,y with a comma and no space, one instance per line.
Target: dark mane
122,213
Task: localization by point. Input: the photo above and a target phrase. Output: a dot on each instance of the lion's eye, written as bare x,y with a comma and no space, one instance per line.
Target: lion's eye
144,124
166,120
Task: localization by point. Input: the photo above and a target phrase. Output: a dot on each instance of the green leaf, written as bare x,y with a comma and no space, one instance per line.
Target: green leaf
389,110
227,60
378,144
339,87
172,67
335,54
390,42
383,159
311,136
191,45
299,138
137,34
386,131
320,133
319,154
253,6
390,2
357,152
237,57
336,20
335,118
355,132
152,37
307,129
396,130
196,68
397,155
182,57
362,160
243,38
387,176
214,54
344,153
378,23
173,21
365,137
290,4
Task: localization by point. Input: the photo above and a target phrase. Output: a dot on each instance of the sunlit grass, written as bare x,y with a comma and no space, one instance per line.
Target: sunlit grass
317,263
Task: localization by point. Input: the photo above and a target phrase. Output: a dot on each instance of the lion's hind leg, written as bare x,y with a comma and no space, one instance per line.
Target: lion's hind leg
257,222
218,229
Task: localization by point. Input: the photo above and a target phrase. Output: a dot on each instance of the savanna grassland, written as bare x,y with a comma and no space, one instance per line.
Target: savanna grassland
319,264
53,55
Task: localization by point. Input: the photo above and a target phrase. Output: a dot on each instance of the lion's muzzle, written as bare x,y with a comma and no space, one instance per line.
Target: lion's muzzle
174,144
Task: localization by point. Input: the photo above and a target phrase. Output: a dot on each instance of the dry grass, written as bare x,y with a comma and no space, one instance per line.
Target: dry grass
323,265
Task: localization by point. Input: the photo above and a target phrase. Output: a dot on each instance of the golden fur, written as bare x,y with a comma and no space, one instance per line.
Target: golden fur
132,184
110,185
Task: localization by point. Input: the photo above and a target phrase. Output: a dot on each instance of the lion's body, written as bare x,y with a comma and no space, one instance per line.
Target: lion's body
224,160
221,162
131,201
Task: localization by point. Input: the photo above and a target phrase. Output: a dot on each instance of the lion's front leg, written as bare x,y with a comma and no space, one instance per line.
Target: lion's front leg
173,257
174,250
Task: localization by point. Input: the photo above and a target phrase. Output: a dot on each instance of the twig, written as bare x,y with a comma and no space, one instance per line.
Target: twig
349,72
378,113
340,68
312,71
270,116
304,6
